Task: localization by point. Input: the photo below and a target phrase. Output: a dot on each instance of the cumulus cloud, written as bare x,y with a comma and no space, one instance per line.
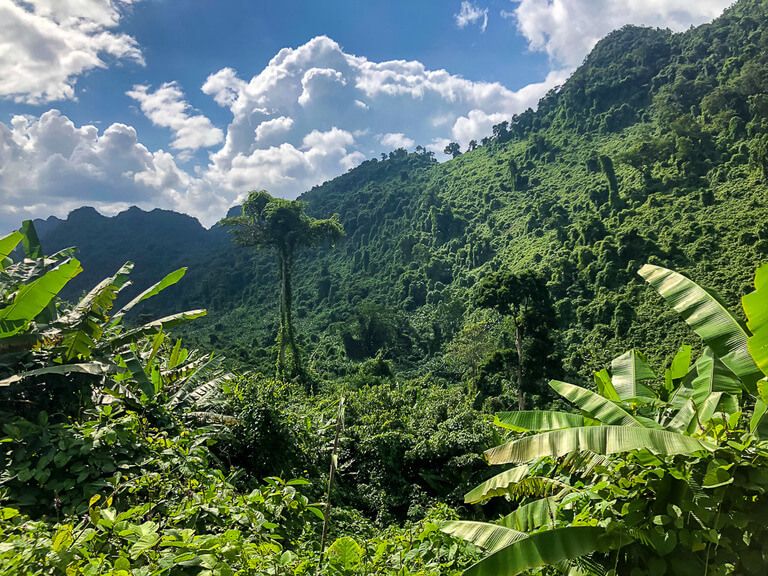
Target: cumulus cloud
49,165
568,29
315,111
396,140
166,107
312,113
470,13
277,127
45,45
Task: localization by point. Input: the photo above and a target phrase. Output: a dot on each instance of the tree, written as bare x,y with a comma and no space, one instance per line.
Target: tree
453,149
523,298
759,150
472,145
501,131
614,199
283,226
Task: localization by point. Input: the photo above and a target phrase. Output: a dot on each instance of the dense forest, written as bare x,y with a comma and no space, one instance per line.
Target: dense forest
579,296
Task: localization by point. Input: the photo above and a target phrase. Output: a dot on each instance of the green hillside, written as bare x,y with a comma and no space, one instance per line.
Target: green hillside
656,149
539,304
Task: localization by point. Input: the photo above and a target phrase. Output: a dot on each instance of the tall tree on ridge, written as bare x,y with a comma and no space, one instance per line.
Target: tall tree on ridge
283,226
524,299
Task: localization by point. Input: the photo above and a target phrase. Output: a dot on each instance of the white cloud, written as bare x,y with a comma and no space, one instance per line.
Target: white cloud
224,87
472,14
45,45
475,125
396,140
321,82
49,165
319,87
311,114
166,107
568,29
271,128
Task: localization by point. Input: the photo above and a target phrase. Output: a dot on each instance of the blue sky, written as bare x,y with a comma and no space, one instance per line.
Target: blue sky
188,104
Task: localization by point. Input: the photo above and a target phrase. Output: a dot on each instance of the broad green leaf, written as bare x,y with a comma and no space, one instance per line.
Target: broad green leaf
85,322
537,420
532,516
345,553
490,537
628,371
762,389
596,406
717,474
91,368
154,326
101,296
496,486
713,376
597,439
32,247
605,386
136,368
539,549
63,538
682,420
710,405
681,363
153,290
756,308
31,299
8,244
707,316
758,424
148,538
679,368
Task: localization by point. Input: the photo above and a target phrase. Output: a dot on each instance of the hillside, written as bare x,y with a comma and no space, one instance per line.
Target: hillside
656,149
483,376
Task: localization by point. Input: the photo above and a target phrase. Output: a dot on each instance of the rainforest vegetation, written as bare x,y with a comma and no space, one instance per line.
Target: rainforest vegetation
546,355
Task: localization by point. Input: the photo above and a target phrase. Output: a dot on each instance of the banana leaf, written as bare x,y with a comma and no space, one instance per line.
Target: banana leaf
532,516
8,244
91,368
709,318
490,537
496,486
153,290
713,376
152,327
31,299
539,549
594,405
597,439
628,373
537,420
756,308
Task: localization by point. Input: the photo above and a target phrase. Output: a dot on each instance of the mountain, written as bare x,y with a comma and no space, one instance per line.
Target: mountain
656,149
157,242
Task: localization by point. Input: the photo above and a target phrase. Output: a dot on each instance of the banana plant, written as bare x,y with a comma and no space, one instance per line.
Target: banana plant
42,337
633,418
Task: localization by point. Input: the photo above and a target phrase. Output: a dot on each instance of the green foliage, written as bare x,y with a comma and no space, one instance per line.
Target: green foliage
623,500
129,478
283,226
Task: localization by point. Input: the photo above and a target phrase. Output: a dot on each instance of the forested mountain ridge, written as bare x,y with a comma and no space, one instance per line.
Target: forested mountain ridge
656,149
450,332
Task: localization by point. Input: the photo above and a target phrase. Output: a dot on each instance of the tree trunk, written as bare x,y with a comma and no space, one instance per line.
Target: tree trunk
519,348
281,331
331,476
289,356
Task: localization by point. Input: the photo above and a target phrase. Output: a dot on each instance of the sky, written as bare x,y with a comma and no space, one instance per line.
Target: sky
189,104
